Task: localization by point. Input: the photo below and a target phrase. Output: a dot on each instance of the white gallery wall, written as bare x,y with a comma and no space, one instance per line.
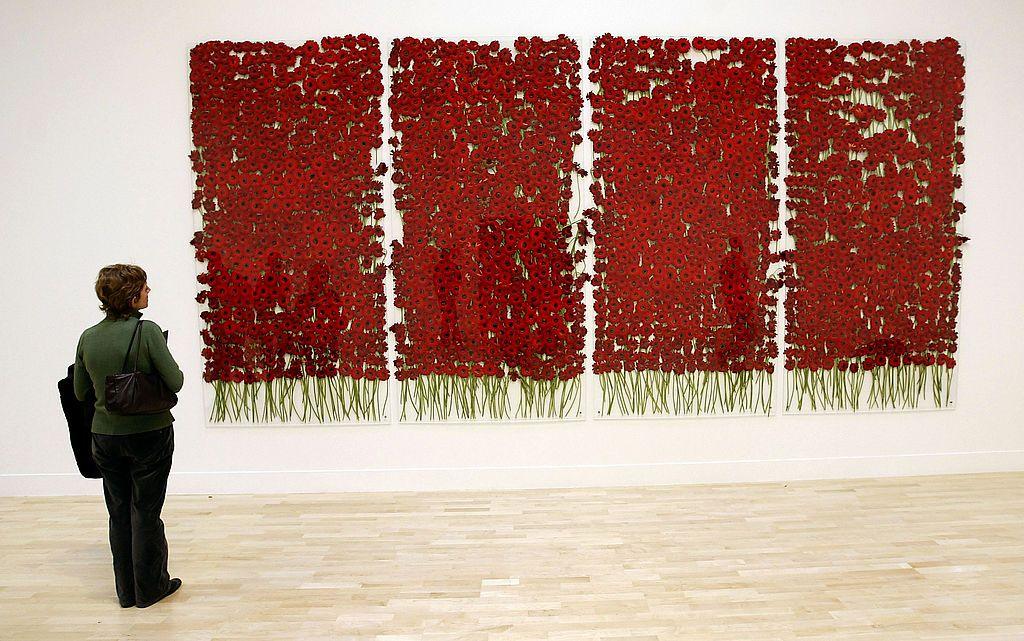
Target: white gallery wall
94,169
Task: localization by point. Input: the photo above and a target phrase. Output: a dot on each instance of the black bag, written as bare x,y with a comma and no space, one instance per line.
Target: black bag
137,392
79,415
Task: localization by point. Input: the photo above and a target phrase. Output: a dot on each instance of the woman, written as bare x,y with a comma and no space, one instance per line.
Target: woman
133,453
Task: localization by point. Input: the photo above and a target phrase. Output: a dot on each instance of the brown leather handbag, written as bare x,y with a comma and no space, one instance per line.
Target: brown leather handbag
136,392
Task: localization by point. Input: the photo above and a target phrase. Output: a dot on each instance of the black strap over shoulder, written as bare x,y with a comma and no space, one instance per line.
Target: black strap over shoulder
124,364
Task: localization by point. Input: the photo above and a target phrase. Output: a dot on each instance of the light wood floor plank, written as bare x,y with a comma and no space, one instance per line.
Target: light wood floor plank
893,559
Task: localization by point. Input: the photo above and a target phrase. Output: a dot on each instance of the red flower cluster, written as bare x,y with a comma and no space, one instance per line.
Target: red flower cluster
290,206
686,214
874,278
487,275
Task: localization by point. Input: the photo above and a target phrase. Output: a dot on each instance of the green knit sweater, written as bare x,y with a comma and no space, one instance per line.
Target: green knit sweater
101,351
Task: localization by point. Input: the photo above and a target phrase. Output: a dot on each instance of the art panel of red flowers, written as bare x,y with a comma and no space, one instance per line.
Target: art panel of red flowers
488,271
291,241
874,275
685,222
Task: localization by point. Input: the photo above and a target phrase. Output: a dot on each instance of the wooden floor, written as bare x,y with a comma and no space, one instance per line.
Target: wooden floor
938,557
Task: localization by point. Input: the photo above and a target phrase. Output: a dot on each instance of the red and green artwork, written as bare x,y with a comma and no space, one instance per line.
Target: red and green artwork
685,224
491,237
873,276
284,139
488,271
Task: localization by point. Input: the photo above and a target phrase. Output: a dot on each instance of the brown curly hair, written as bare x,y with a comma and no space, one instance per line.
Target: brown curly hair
117,286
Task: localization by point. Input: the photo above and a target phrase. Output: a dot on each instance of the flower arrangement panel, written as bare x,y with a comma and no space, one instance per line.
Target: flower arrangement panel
685,222
874,276
283,141
488,273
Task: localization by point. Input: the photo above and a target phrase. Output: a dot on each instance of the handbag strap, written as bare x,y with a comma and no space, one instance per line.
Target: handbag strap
124,363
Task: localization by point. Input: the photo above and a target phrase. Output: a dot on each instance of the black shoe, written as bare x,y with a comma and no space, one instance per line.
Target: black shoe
175,584
127,604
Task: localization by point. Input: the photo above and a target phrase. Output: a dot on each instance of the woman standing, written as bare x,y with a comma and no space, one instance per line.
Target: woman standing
133,452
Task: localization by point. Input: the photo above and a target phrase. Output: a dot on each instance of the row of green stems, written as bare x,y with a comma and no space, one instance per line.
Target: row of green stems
327,399
887,387
447,396
647,392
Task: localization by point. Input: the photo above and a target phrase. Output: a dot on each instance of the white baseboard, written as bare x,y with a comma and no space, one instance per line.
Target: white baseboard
532,477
